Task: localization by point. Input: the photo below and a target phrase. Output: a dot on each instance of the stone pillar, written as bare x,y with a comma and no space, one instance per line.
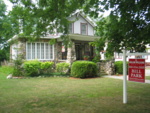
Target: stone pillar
71,54
55,52
22,49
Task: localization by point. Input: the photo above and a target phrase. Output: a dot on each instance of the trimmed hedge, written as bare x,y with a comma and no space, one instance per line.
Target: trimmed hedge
46,67
119,67
32,67
63,68
35,68
84,69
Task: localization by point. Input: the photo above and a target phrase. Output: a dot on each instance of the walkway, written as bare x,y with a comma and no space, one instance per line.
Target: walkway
147,73
121,77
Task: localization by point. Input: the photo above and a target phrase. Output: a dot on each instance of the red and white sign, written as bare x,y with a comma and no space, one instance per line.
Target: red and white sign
136,70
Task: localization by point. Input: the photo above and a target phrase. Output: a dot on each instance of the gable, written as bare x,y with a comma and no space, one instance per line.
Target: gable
78,20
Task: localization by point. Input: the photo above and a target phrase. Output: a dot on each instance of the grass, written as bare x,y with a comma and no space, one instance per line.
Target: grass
65,95
54,74
147,77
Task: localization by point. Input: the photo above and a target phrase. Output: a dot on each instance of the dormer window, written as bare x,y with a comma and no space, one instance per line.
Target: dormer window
84,28
71,28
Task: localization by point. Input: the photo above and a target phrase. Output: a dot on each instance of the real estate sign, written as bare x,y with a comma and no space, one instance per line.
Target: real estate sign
136,70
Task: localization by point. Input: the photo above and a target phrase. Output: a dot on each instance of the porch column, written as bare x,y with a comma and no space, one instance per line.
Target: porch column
71,54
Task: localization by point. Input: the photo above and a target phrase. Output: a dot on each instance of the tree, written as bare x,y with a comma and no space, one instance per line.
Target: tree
42,17
5,32
129,25
2,18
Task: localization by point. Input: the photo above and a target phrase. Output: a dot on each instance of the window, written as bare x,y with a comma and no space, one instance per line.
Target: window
83,28
71,28
41,51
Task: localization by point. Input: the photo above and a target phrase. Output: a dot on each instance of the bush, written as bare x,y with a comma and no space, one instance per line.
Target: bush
32,67
119,67
84,69
46,67
63,68
96,59
18,69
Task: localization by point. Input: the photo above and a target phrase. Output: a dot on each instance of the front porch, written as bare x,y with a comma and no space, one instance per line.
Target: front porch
80,47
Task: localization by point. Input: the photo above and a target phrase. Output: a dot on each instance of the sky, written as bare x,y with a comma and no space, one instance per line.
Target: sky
9,7
8,4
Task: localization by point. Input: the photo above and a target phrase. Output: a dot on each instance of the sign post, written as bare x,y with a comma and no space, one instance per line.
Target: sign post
134,73
124,78
137,70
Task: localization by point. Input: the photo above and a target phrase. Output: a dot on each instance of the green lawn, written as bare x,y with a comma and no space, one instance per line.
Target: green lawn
65,95
147,77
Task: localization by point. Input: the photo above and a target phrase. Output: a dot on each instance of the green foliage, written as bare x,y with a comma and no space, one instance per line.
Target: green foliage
46,67
84,69
6,31
43,16
4,54
127,26
96,59
32,68
99,45
18,66
119,67
63,68
52,41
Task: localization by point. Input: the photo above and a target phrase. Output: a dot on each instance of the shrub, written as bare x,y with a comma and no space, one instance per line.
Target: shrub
119,67
83,69
96,59
46,67
32,67
18,69
63,68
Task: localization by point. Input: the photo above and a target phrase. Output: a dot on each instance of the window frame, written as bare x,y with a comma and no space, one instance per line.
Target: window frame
45,57
86,28
72,28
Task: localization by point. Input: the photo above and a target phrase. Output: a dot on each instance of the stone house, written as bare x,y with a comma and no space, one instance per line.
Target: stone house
81,32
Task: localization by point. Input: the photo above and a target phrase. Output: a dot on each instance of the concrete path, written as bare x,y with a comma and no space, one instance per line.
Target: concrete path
147,73
121,78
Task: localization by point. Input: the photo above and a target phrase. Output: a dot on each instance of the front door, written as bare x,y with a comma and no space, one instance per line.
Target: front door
78,50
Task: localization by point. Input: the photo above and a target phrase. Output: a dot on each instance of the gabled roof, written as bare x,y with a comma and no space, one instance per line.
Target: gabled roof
86,18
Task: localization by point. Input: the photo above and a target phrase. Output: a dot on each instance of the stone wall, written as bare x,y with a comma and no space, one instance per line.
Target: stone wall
71,56
106,66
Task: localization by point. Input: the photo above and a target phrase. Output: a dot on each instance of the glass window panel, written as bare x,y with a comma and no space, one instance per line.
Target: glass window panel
47,51
70,28
33,50
83,29
28,50
51,51
42,50
38,51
